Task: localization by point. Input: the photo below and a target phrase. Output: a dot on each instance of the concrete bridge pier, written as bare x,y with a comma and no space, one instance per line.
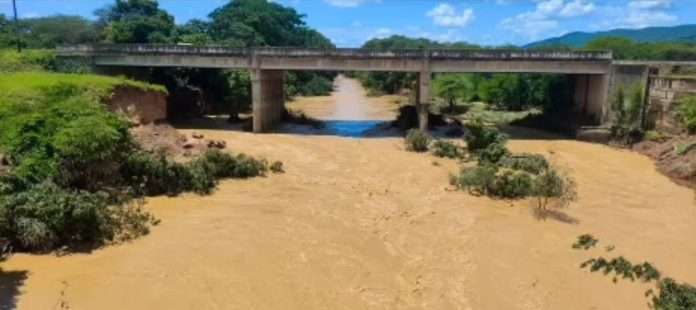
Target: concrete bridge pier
423,99
590,96
268,94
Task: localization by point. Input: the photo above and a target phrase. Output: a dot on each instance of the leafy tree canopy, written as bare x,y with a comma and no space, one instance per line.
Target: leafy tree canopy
136,21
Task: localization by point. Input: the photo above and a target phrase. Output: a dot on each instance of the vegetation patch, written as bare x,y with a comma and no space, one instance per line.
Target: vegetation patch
417,140
75,172
501,174
447,149
28,60
670,295
687,113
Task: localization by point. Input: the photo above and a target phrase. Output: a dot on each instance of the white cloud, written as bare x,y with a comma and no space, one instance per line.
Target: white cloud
447,16
639,14
649,4
577,8
545,18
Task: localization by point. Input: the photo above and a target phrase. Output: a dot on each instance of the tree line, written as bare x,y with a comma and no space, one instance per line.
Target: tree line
238,23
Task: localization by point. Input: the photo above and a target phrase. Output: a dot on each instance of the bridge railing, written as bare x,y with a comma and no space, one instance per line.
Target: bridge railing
215,50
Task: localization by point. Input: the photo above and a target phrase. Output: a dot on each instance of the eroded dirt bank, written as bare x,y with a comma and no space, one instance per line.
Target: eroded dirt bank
363,224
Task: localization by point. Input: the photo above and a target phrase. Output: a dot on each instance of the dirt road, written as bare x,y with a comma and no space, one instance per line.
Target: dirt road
363,224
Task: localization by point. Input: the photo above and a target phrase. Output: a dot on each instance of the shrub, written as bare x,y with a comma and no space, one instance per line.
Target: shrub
655,136
478,136
674,296
687,113
47,215
512,184
156,175
443,148
531,163
492,153
585,242
551,185
477,179
75,168
277,167
417,140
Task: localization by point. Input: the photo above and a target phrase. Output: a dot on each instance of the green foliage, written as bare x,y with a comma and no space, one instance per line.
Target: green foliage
655,136
444,148
392,82
674,296
479,136
417,140
684,148
531,163
27,60
455,87
478,179
621,267
156,175
585,242
47,215
74,166
671,295
627,109
687,113
135,21
623,48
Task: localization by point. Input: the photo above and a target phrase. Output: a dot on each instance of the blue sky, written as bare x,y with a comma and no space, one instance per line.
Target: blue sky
349,23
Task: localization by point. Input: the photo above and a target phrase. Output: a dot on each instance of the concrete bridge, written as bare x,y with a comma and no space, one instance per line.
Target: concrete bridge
592,71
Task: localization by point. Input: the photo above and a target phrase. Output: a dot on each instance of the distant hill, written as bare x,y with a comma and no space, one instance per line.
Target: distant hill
682,33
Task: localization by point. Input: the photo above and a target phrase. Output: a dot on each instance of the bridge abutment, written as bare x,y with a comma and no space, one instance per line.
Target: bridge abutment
268,98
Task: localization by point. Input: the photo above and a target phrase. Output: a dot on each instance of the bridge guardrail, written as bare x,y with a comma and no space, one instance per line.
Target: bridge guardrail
213,50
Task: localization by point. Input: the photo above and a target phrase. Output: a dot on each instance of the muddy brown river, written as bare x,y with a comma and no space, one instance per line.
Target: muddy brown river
363,224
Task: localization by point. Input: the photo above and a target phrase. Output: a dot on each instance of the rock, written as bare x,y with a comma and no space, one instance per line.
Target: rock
188,145
196,135
594,134
217,144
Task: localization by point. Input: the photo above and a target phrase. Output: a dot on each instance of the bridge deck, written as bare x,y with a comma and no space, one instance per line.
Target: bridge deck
440,60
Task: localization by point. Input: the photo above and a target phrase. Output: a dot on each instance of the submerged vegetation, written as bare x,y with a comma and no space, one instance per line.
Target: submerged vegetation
670,295
502,174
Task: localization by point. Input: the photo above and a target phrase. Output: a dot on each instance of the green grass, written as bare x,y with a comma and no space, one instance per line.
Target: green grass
27,60
28,84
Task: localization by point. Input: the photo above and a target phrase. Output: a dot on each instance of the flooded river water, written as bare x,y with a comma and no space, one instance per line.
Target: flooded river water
363,224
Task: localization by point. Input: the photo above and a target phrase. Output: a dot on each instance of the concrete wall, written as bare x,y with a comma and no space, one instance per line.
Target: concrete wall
267,98
665,93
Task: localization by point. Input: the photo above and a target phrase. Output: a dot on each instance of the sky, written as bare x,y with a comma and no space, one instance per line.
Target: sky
349,23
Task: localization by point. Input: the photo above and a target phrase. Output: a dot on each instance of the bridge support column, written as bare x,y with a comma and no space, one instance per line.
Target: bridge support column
423,99
590,96
267,95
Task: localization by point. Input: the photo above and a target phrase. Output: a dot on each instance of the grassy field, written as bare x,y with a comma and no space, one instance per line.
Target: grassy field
23,84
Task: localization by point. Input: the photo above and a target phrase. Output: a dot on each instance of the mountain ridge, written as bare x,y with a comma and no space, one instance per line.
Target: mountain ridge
680,33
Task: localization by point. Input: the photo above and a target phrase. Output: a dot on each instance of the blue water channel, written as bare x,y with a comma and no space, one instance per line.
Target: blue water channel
353,129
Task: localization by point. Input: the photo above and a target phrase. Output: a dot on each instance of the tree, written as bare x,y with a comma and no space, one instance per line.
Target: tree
48,32
194,32
6,32
135,21
453,87
256,23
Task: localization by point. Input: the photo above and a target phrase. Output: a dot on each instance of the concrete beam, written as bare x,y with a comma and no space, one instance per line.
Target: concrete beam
268,97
